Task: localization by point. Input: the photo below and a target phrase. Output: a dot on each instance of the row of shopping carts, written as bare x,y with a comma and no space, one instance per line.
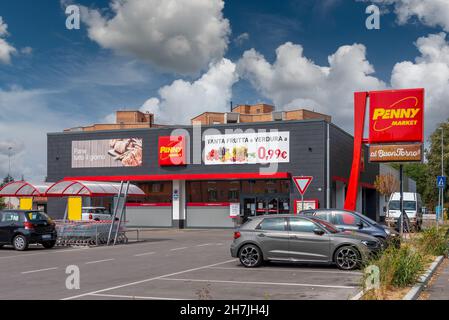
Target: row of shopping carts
89,233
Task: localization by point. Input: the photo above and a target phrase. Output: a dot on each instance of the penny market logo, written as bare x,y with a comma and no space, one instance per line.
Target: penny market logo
171,150
387,118
167,152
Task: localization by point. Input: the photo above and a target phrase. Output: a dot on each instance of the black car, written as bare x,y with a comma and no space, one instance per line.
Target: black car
20,228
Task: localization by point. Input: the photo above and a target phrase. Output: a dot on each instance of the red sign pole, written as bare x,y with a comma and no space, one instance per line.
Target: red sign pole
360,99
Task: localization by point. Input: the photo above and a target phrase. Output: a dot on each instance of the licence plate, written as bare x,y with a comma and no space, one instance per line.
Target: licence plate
46,237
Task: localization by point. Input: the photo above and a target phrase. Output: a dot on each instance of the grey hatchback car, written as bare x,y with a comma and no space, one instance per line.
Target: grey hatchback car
293,238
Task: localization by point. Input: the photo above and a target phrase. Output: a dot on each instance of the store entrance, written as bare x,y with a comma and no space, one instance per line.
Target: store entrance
256,205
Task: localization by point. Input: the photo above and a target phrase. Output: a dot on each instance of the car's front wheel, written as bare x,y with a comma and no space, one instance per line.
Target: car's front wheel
250,256
20,243
347,258
49,244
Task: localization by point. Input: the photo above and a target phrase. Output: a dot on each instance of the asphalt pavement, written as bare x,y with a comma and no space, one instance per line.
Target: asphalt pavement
168,265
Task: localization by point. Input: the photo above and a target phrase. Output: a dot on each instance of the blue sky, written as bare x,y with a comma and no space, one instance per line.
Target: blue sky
70,78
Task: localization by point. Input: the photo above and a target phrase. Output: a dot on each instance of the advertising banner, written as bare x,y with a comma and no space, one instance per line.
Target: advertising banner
247,148
396,116
107,153
395,153
172,151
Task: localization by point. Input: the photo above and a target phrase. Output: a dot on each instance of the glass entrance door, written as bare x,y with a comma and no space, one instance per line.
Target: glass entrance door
265,204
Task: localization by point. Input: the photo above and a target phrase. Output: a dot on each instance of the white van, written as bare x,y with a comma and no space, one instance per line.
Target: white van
412,207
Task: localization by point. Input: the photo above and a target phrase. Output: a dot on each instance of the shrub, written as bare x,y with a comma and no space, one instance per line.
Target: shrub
398,267
434,242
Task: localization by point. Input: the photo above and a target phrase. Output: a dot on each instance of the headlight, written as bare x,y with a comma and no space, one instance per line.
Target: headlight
388,232
370,244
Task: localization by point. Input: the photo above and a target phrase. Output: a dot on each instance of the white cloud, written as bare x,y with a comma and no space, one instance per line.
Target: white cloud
431,13
431,71
240,39
6,50
182,100
294,81
183,36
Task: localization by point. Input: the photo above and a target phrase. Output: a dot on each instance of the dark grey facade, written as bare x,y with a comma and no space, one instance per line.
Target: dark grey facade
308,156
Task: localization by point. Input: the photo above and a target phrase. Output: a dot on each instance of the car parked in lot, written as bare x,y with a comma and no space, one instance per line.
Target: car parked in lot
20,228
293,238
346,220
95,214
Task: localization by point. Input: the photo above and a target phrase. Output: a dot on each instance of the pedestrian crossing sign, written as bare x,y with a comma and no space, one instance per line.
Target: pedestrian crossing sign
441,182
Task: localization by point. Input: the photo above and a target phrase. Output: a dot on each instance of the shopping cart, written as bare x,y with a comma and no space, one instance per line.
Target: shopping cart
88,233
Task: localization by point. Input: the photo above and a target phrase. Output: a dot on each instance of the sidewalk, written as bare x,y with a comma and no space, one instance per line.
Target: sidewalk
438,289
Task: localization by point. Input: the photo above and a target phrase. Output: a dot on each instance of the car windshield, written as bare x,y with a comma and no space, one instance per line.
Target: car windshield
326,225
408,205
37,216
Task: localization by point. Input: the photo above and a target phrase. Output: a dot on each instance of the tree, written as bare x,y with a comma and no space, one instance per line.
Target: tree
386,184
433,156
6,180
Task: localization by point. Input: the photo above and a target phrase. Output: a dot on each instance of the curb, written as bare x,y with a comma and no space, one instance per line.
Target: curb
416,290
358,296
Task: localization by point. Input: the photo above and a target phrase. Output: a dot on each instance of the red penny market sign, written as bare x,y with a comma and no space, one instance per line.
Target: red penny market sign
396,116
172,151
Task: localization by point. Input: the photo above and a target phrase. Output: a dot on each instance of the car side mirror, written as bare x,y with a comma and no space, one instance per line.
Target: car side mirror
318,231
360,225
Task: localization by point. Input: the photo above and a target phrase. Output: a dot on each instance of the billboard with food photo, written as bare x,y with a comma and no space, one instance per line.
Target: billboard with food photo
247,148
107,153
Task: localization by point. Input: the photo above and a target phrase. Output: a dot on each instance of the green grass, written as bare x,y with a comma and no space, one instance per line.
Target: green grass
434,242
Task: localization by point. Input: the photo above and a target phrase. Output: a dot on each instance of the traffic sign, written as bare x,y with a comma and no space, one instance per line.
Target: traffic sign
302,183
441,182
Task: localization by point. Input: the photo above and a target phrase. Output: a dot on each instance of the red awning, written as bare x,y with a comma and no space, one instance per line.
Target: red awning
24,189
79,188
188,176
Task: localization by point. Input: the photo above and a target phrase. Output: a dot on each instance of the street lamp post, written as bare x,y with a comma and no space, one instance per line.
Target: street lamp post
9,173
442,171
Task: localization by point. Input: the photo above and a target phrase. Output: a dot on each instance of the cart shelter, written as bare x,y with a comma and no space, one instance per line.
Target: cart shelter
75,190
25,191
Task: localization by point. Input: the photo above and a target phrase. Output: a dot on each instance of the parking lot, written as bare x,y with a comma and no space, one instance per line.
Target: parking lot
167,265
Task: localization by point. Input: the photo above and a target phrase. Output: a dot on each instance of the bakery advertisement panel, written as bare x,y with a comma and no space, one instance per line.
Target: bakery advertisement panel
247,148
107,153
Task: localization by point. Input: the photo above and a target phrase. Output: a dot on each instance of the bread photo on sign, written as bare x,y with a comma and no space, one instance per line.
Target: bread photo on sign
127,151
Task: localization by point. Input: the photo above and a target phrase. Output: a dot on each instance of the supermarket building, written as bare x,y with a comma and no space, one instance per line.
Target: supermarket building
215,172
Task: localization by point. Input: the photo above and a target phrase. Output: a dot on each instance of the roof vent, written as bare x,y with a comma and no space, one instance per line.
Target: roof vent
278,115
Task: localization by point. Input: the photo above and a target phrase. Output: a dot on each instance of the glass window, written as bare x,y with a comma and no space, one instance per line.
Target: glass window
301,225
212,194
275,224
37,216
323,215
408,205
346,218
11,217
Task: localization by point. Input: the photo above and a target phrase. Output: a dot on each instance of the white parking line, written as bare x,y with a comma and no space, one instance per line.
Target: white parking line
39,270
131,297
99,261
42,253
291,270
261,283
146,280
176,249
144,254
204,244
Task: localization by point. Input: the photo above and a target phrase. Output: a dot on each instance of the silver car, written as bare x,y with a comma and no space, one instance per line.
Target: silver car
300,239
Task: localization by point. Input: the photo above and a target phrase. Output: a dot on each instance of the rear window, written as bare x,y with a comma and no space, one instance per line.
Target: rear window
37,216
273,224
11,217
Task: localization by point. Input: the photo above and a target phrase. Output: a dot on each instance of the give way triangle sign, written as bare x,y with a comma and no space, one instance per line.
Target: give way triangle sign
302,183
